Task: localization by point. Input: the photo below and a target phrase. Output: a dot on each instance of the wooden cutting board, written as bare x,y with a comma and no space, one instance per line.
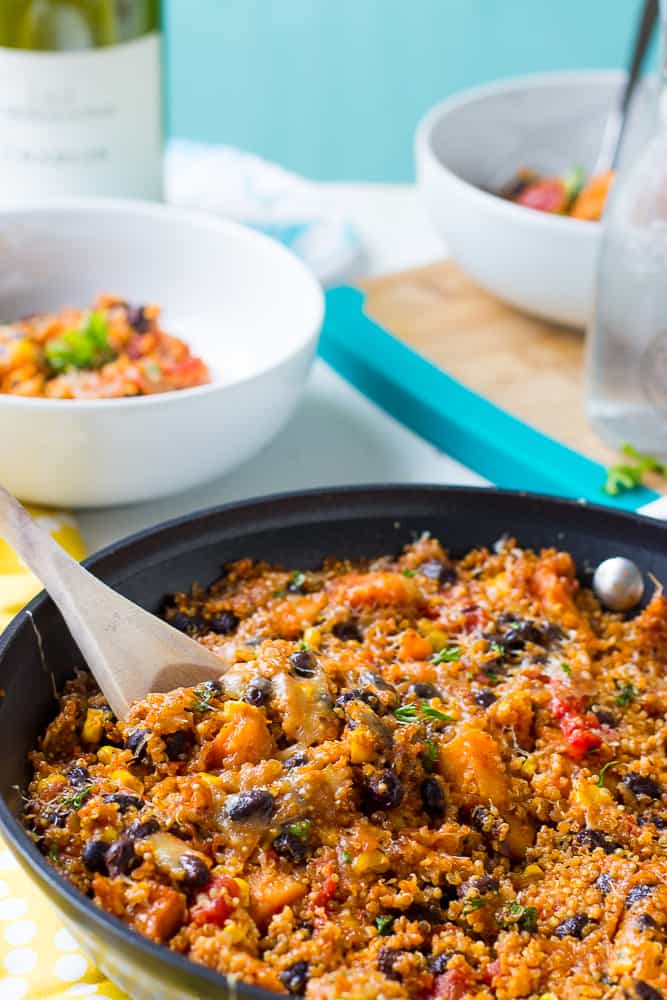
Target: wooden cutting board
531,368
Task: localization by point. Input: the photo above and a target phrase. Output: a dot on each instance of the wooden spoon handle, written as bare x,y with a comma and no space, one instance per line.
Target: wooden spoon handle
130,652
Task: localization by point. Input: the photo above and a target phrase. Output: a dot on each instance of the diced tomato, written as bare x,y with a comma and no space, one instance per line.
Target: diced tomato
324,896
451,985
581,729
491,971
218,902
548,195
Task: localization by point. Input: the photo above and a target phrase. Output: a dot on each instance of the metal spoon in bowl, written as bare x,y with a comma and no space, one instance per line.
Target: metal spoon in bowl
129,651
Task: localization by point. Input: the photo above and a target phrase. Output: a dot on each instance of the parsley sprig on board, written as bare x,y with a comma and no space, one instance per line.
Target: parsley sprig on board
626,476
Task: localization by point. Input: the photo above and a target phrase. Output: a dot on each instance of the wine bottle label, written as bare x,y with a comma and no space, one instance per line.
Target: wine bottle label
81,122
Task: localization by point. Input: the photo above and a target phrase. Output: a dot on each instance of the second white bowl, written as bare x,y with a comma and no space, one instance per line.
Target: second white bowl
242,301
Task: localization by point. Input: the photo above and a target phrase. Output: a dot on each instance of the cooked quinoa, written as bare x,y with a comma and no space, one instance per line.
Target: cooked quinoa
109,351
418,777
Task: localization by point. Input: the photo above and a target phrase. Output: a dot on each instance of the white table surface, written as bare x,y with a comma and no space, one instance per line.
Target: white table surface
336,436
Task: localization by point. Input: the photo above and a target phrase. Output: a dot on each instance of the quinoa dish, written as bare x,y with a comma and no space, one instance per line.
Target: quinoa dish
418,777
110,351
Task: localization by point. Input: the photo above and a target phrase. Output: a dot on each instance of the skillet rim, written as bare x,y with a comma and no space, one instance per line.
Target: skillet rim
335,501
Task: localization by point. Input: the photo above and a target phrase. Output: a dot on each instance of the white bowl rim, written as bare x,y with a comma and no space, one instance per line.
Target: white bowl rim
150,209
527,81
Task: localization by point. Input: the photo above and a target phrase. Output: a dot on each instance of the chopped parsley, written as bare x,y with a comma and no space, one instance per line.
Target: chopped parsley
603,770
74,802
408,572
54,854
566,668
85,347
347,857
202,702
474,903
384,924
296,581
496,648
447,655
521,916
300,829
626,693
415,713
625,476
279,593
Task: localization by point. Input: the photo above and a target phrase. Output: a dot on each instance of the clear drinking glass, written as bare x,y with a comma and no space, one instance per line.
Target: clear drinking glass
627,341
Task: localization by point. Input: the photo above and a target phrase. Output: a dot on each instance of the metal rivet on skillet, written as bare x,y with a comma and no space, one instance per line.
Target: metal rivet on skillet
618,584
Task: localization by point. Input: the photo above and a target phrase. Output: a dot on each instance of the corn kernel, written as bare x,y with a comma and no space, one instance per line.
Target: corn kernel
245,890
93,727
108,834
106,754
528,767
370,861
124,778
438,639
361,747
313,638
213,780
533,871
55,778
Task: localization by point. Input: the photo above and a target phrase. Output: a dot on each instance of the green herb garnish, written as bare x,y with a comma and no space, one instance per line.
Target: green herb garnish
74,802
624,476
566,668
300,829
573,181
447,655
603,770
202,702
474,903
347,857
279,593
524,917
54,854
384,924
626,693
408,572
413,713
497,649
85,347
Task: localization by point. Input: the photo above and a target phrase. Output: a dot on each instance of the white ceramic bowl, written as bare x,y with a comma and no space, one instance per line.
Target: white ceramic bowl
544,264
242,301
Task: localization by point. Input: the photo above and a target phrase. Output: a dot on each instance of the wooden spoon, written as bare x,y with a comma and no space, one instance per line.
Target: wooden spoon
129,651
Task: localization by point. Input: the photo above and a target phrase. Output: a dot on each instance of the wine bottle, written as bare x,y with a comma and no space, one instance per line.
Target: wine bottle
80,99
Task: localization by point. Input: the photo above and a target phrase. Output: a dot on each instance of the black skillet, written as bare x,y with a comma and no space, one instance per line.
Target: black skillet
296,530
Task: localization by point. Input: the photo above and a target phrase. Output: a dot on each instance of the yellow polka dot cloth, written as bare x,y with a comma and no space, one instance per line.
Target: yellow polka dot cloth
39,959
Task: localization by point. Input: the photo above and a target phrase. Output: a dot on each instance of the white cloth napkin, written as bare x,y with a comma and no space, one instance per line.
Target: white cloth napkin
244,187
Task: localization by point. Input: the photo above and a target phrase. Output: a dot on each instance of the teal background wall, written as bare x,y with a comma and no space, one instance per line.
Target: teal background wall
334,88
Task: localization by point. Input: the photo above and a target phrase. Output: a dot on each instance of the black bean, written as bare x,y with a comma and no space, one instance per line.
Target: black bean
438,965
550,632
425,913
258,691
644,991
641,786
485,883
138,829
485,821
137,318
347,631
124,801
183,622
295,978
224,624
58,819
137,742
434,569
433,798
179,744
196,871
384,789
605,718
370,679
485,698
637,893
573,927
93,856
120,857
604,883
658,821
215,687
256,804
386,961
78,777
303,663
596,838
356,694
422,689
645,922
517,635
288,845
296,760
